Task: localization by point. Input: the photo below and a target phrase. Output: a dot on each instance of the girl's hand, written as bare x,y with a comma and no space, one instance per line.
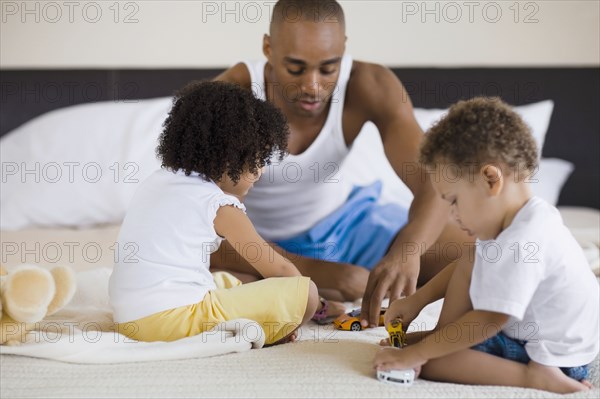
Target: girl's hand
405,309
399,359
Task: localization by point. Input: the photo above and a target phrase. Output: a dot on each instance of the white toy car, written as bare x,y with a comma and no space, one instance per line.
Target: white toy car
401,377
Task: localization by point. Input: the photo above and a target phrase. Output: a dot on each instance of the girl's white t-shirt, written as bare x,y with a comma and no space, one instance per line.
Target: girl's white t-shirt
165,243
535,272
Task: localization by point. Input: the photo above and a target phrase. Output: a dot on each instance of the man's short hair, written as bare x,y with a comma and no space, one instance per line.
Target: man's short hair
307,10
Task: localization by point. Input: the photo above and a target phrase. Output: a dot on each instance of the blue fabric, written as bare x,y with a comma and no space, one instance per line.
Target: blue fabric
513,349
359,232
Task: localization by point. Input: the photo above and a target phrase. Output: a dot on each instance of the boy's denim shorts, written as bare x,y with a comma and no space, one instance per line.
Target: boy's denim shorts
513,349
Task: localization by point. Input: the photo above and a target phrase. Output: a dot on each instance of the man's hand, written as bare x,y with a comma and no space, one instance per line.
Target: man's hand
397,278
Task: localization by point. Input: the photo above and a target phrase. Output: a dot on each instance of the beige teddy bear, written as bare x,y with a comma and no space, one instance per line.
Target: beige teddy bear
28,294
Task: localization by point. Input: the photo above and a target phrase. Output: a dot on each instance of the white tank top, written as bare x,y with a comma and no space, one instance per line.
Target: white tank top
296,193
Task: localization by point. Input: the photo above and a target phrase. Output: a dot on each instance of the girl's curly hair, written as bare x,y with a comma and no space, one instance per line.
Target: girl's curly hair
478,131
217,127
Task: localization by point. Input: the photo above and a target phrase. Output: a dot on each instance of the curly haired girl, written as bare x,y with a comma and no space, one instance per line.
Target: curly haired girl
216,141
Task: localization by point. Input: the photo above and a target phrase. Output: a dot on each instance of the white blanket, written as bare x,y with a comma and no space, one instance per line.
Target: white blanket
83,332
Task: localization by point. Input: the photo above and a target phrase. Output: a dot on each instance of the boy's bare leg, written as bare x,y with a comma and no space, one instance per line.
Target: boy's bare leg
479,368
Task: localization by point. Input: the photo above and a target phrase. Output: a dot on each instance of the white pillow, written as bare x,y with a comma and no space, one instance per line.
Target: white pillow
79,166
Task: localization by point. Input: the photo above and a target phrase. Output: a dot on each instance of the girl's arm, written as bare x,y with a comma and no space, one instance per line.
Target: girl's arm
471,329
233,224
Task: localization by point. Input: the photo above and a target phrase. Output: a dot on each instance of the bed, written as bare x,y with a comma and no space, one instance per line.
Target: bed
115,131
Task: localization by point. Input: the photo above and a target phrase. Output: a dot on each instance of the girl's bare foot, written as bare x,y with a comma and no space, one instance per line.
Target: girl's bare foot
552,379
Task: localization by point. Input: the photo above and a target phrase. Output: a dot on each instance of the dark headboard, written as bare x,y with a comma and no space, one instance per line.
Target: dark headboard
573,134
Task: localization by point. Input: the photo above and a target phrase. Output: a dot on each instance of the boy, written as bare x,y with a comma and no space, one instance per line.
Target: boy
522,308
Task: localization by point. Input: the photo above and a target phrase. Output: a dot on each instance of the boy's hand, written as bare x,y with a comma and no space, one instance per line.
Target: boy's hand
399,359
404,309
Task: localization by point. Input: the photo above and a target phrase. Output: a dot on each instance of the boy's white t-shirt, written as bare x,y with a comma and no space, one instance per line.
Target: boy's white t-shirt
535,272
165,243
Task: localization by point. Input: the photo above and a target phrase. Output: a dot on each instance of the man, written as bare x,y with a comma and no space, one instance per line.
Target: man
327,98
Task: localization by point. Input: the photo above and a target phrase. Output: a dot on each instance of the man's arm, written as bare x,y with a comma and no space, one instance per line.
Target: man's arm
386,102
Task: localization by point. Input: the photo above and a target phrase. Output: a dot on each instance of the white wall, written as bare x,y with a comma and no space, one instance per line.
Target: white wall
163,33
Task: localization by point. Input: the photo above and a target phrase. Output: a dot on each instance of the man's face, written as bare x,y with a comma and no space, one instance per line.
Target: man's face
305,58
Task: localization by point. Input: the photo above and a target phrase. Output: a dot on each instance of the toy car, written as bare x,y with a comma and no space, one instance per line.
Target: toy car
397,335
351,321
401,377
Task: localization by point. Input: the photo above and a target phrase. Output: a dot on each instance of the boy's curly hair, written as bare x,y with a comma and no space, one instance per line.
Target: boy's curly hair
217,127
478,131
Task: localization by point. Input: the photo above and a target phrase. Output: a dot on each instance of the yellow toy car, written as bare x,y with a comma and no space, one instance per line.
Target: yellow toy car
397,335
351,321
